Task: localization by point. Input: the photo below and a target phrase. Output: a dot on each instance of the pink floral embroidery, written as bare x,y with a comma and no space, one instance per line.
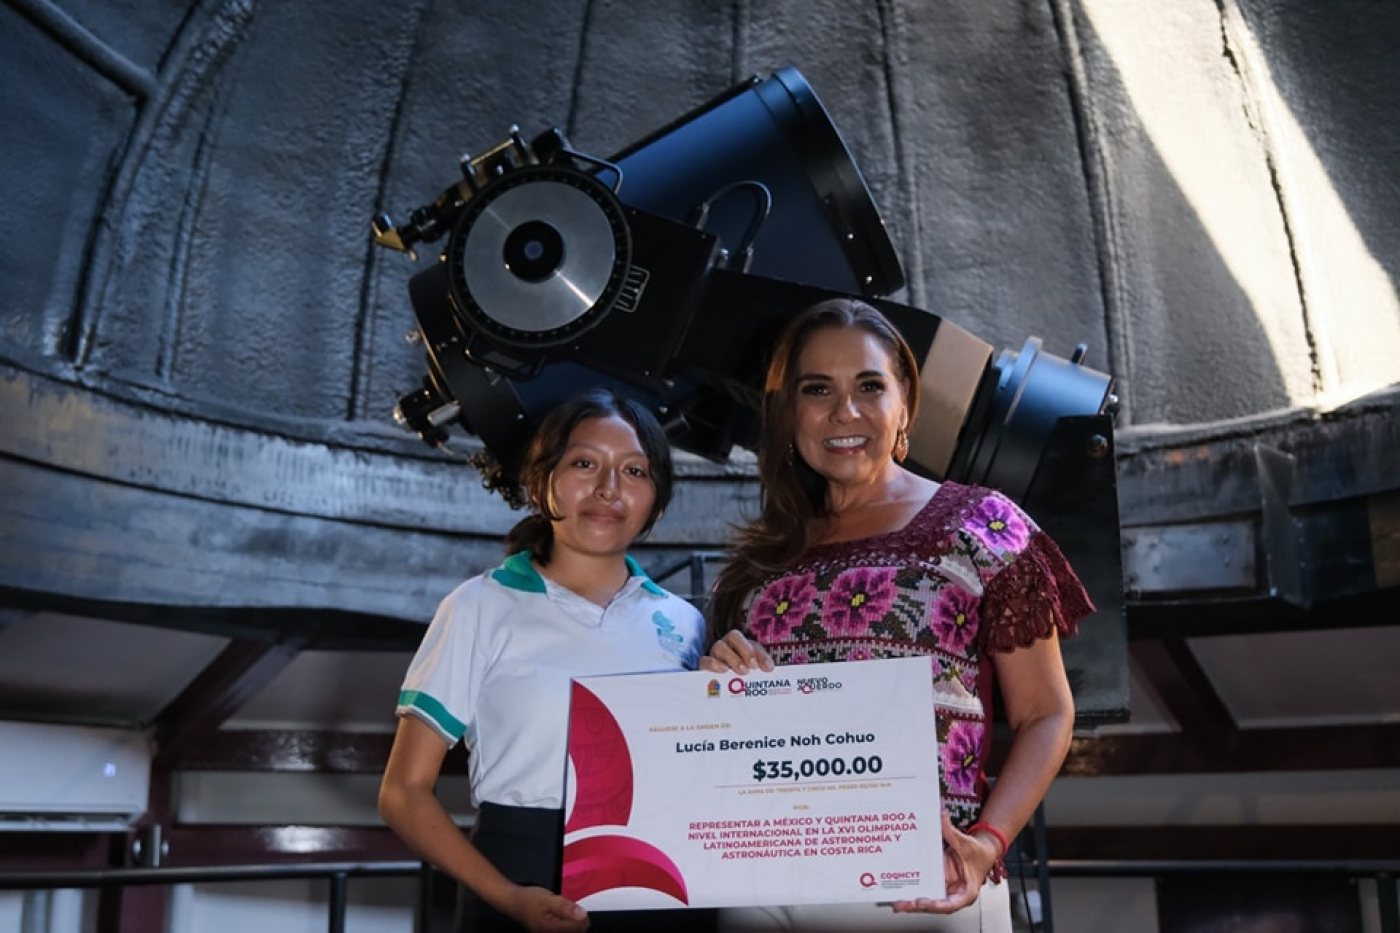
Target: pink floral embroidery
960,762
835,605
969,680
857,598
781,607
998,525
955,618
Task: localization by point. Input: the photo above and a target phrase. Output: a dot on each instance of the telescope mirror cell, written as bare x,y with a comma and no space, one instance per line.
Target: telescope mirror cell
539,260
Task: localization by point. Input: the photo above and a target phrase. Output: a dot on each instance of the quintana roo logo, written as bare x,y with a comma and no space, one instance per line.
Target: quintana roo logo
603,797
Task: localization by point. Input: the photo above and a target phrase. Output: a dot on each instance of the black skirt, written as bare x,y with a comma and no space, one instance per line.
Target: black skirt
525,845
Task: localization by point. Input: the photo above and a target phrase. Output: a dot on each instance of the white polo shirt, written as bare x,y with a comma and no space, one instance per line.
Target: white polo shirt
493,669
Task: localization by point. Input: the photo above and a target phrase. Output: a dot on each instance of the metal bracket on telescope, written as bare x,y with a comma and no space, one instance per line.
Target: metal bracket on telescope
431,221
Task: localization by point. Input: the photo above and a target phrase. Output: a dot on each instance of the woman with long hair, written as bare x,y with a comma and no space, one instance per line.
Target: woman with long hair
854,557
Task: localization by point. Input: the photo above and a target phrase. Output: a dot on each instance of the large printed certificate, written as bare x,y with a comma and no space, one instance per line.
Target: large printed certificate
814,783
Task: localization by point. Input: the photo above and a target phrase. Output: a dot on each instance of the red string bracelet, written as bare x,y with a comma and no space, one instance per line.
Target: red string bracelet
1000,836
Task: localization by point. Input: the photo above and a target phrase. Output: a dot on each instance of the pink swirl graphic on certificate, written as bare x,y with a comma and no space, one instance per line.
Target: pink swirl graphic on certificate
603,797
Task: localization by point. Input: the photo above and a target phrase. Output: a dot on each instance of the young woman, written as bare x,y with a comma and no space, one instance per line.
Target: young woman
494,667
854,557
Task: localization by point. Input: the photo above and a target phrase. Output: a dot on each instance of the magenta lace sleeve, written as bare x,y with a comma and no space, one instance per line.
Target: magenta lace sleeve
1035,593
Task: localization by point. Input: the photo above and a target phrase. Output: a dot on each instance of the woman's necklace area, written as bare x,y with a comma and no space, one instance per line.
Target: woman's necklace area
892,512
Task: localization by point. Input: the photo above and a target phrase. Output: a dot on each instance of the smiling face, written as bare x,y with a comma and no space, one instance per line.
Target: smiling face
849,405
601,489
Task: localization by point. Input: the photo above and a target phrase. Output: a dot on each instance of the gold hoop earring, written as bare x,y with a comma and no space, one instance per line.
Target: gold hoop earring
901,446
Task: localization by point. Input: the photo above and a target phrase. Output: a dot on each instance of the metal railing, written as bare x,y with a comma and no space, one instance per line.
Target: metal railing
337,874
1384,872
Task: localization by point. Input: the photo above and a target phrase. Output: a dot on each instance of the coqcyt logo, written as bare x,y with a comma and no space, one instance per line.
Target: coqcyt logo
890,879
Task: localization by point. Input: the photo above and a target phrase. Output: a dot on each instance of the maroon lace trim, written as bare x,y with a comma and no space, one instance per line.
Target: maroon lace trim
1034,594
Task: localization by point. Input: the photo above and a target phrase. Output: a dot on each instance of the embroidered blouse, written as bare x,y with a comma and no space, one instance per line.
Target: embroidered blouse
970,574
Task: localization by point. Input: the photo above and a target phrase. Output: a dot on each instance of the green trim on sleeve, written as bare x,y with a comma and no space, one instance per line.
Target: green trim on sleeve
433,712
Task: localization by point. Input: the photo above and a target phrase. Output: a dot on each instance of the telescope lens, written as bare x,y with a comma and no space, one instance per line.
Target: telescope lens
533,251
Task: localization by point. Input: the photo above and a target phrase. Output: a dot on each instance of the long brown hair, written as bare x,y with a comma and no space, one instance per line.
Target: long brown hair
535,532
791,493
